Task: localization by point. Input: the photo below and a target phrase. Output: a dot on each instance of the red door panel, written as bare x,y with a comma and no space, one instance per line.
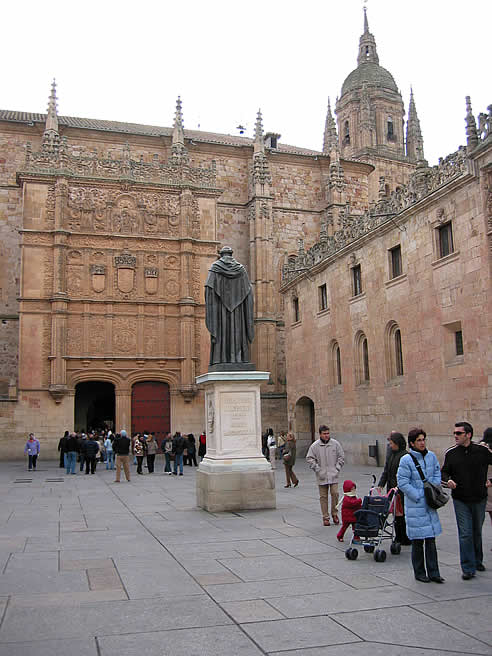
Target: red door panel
151,408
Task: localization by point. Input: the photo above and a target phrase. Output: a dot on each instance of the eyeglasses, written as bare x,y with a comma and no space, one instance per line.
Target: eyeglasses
458,432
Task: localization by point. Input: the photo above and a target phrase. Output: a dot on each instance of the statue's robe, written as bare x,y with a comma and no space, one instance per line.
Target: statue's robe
229,312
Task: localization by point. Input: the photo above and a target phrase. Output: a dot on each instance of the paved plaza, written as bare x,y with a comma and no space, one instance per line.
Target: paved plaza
93,568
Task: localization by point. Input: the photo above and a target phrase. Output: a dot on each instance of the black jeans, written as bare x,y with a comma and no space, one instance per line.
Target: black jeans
418,561
192,457
32,461
82,460
150,462
139,464
90,461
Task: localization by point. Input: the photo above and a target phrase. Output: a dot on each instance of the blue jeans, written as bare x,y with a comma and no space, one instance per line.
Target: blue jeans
178,459
70,461
469,517
109,460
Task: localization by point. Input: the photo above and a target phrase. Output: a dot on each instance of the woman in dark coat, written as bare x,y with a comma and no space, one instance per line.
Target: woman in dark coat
398,448
191,448
62,449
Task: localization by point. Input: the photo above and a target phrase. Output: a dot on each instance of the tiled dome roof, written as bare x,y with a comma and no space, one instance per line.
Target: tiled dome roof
371,74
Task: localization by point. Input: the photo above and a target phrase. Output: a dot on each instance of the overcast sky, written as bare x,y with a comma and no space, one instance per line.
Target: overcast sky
129,61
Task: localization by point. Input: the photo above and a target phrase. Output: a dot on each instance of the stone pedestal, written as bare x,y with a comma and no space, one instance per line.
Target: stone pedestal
234,475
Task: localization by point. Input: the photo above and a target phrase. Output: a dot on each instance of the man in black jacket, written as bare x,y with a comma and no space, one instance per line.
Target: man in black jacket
179,446
121,447
465,471
91,449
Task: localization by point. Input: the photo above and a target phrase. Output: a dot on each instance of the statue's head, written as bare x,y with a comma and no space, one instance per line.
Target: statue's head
226,250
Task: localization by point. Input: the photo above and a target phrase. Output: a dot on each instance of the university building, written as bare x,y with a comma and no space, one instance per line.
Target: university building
371,270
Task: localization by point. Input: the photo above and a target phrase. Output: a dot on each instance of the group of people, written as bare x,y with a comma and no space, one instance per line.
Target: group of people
114,450
466,471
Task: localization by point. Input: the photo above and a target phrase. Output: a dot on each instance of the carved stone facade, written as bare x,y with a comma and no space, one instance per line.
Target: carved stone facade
108,230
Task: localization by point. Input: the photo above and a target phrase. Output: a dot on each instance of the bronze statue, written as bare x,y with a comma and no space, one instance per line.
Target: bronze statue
229,314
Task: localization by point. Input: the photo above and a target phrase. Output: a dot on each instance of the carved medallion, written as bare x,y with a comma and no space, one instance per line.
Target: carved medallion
125,267
151,275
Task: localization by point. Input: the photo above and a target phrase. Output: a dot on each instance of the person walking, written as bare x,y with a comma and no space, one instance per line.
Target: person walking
121,447
62,448
326,458
32,449
179,446
423,525
290,460
152,447
191,449
397,449
108,446
350,504
465,472
167,449
71,448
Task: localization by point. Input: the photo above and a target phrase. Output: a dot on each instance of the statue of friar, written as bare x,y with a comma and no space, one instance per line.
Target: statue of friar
229,313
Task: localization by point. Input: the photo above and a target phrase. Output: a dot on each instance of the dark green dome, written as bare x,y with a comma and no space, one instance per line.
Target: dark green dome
371,74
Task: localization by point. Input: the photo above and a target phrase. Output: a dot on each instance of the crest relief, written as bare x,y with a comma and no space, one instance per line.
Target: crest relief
125,266
151,275
98,277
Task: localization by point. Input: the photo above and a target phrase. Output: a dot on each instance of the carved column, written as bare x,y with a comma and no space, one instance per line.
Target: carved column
123,398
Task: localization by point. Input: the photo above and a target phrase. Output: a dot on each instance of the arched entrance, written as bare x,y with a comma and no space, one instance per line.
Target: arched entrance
151,408
304,423
94,406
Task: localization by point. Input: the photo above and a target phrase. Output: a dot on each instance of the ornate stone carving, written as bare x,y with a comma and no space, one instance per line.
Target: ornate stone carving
422,183
78,162
151,275
98,277
124,335
74,335
97,335
151,328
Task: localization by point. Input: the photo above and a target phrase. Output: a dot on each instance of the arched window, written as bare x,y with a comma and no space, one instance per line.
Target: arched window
362,372
393,351
346,133
390,130
336,364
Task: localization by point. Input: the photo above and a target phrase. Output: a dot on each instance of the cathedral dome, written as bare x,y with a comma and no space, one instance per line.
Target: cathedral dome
371,74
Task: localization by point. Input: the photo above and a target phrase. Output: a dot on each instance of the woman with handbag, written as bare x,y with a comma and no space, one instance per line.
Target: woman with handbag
422,521
290,460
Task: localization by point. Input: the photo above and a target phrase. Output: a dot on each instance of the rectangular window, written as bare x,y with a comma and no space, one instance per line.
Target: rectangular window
357,280
295,307
458,341
445,234
395,262
323,297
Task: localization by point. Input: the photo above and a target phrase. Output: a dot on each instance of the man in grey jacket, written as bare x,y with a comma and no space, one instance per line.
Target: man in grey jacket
326,458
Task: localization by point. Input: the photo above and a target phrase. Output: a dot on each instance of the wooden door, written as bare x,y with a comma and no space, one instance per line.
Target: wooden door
151,409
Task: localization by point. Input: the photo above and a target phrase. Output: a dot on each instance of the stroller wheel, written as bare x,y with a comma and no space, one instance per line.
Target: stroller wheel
380,555
369,548
351,553
395,548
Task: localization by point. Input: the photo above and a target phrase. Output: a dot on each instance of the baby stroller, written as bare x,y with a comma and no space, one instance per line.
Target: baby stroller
375,523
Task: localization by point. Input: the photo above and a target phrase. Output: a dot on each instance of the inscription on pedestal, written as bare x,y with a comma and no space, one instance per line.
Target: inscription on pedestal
238,419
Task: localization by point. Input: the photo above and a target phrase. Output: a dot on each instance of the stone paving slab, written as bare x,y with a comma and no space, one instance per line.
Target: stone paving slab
406,626
299,633
207,641
170,579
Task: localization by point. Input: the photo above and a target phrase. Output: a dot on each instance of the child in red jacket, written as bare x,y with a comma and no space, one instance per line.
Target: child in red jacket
350,504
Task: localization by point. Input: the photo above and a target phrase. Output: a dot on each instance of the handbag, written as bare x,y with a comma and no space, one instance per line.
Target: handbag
435,496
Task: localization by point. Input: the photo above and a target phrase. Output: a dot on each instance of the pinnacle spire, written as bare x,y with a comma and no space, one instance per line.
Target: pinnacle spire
259,127
178,130
52,116
330,138
51,136
471,126
415,142
367,45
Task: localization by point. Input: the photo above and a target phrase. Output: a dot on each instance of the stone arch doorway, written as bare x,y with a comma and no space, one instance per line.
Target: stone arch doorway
304,424
151,408
94,406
